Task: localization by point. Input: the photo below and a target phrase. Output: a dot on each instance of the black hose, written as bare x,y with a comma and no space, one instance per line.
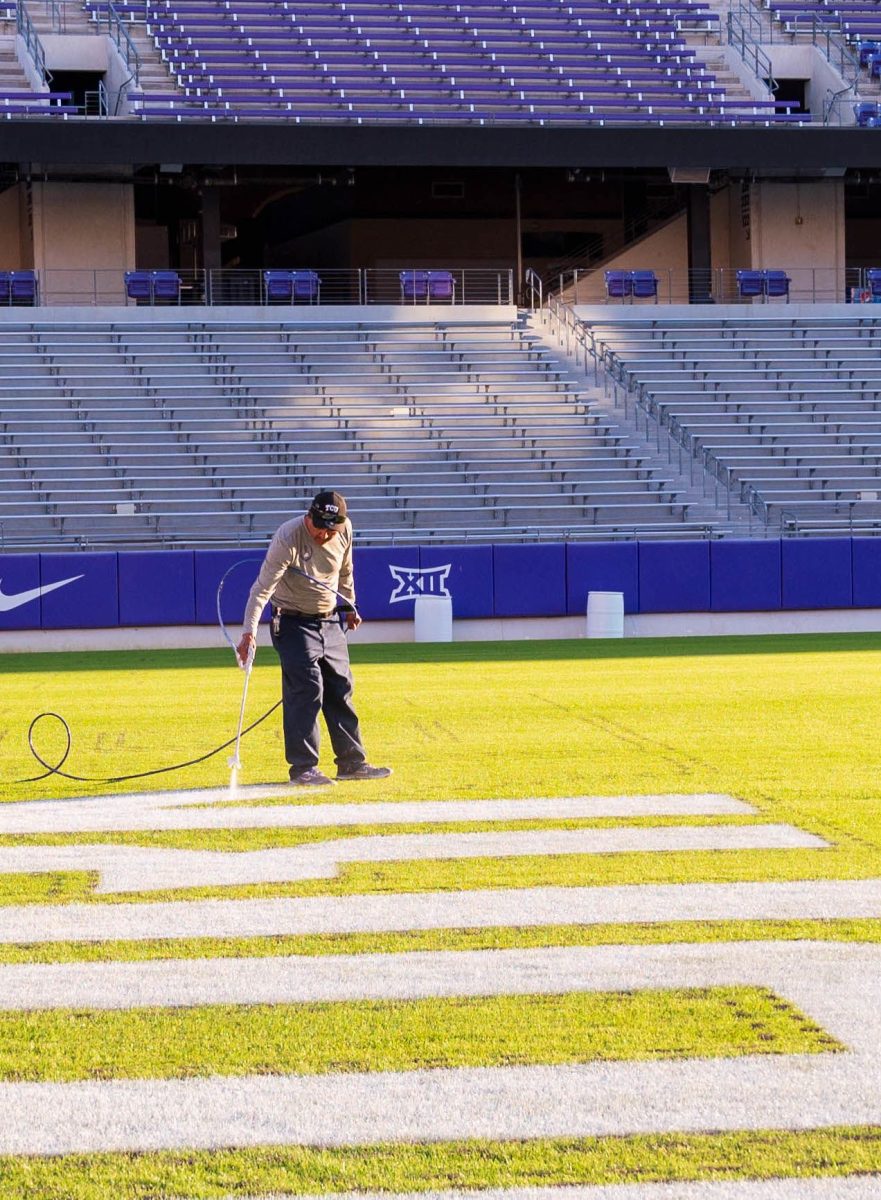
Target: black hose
56,770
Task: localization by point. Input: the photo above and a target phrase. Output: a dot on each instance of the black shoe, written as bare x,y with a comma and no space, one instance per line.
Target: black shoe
362,771
310,777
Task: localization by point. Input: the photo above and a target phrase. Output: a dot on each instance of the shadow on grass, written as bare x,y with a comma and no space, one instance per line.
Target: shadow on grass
519,651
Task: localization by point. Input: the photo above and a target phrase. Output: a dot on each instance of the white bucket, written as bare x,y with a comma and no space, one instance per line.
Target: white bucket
433,619
605,614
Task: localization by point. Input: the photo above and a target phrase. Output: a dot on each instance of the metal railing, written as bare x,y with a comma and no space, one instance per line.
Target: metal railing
745,43
25,28
96,103
57,14
720,285
824,31
117,30
534,289
251,288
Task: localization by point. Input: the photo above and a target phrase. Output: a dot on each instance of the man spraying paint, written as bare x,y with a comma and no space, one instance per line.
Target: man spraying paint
308,575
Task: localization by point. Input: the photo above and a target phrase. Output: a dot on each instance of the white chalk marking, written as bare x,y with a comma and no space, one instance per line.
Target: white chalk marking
831,1187
837,899
175,810
841,991
410,976
143,869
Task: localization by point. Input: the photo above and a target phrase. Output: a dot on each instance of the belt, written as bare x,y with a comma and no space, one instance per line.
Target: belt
304,616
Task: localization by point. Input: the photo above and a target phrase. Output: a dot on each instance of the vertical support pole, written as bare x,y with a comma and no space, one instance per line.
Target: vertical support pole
518,231
210,229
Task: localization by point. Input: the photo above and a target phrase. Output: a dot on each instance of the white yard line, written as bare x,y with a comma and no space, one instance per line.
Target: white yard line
525,907
842,992
423,974
138,868
175,810
832,1187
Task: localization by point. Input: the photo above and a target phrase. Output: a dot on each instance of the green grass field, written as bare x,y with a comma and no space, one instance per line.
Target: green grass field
788,724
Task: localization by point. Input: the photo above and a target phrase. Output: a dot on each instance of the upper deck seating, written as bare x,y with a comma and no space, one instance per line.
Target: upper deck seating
589,60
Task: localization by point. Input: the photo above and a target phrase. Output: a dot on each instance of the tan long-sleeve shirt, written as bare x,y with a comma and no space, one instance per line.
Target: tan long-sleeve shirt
291,547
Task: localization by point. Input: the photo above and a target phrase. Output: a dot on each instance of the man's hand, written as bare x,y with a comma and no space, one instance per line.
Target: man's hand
244,647
353,620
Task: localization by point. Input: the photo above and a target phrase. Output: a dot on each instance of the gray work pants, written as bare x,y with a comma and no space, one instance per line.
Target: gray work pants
315,677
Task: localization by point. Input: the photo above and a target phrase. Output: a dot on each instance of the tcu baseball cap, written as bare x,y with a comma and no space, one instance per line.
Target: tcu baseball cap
328,509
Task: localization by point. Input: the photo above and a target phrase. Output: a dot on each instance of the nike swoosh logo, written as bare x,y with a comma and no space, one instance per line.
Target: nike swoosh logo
7,603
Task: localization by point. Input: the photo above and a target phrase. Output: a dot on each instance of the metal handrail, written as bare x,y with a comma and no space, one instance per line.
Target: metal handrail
56,12
97,101
826,36
532,282
25,28
600,248
123,42
750,50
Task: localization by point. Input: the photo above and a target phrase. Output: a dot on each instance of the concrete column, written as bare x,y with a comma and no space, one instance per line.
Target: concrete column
699,252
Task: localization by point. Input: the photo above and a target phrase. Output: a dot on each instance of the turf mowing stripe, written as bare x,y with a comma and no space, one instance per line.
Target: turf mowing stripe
819,899
388,1035
840,991
497,937
549,971
178,810
135,868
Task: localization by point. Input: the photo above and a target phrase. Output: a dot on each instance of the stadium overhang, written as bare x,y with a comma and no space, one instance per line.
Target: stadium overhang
112,142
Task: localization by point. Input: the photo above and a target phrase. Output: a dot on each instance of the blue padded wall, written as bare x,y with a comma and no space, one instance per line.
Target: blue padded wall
90,601
601,567
674,577
384,595
817,573
470,577
867,572
745,576
209,568
19,574
529,581
157,587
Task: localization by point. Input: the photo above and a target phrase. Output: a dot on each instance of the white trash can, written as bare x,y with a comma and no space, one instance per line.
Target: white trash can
605,614
433,619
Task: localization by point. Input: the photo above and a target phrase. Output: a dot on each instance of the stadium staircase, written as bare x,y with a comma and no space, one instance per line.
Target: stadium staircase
783,411
713,506
198,430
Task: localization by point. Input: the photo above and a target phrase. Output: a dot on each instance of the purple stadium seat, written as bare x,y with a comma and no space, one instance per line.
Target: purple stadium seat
287,287
22,287
618,284
427,287
645,283
776,283
750,283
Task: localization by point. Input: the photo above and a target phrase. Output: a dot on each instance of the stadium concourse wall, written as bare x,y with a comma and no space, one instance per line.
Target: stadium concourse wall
168,597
